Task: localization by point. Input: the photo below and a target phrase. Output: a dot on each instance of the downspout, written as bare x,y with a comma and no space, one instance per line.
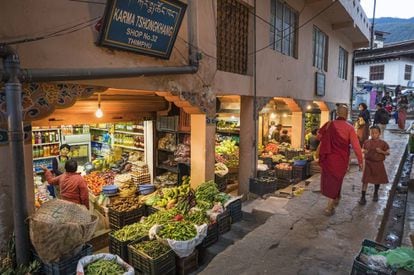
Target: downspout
13,90
352,83
255,114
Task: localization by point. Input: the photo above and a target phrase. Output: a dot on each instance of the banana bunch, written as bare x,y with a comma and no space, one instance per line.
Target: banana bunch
171,195
128,190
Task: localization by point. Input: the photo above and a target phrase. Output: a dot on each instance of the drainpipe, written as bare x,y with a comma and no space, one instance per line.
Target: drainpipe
255,114
13,90
352,82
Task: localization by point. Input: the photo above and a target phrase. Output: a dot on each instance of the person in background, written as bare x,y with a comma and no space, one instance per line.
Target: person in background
272,128
364,118
73,187
381,119
386,99
276,133
58,163
397,91
402,112
335,138
375,150
284,137
313,140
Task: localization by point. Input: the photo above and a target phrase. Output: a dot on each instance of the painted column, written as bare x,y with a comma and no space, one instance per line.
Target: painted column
247,147
202,149
298,129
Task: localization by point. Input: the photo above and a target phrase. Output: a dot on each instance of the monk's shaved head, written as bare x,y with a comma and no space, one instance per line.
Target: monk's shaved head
342,111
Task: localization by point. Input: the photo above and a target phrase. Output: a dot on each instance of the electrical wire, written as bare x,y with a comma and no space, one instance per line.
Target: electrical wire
64,31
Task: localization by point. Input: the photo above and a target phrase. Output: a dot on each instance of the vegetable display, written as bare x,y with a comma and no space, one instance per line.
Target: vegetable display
154,249
178,230
95,182
160,217
104,267
227,152
125,204
272,147
284,166
205,194
197,217
131,232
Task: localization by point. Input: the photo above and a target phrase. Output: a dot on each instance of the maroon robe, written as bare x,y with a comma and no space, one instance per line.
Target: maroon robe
336,137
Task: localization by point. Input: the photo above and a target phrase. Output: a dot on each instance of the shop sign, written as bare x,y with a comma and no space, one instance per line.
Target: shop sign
320,84
144,26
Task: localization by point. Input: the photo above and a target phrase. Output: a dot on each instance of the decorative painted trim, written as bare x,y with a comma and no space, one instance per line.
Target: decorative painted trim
205,100
261,102
39,100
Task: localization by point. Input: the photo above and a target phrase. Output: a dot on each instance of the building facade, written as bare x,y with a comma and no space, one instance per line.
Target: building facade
298,52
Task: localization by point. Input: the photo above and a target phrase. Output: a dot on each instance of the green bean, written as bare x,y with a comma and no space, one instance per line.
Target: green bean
104,267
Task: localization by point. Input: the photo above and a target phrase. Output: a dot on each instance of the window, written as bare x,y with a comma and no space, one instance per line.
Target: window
232,36
343,64
407,73
283,30
376,72
320,49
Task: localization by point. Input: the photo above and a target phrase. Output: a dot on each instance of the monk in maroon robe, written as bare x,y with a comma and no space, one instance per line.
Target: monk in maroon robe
336,137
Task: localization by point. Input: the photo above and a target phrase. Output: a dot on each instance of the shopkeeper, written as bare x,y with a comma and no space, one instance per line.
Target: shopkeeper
58,167
276,133
73,187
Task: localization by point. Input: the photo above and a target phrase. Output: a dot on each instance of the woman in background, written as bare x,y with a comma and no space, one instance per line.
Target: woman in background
363,122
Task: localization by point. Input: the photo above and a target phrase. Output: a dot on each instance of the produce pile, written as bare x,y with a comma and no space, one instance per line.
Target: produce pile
168,178
125,204
178,230
167,142
131,232
104,267
279,158
227,152
284,166
183,153
154,249
95,182
271,148
221,169
167,198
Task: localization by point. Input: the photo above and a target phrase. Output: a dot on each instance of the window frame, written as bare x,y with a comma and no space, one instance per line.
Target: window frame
408,74
320,42
379,74
343,57
284,28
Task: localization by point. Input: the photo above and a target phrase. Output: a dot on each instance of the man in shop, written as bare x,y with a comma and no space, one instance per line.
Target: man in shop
284,137
73,187
276,133
335,137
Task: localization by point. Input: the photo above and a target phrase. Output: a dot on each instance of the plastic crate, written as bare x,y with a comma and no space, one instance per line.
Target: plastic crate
283,174
117,220
150,210
120,248
268,162
359,268
142,263
262,186
65,266
212,235
290,154
235,209
299,172
221,183
168,123
283,183
187,264
264,174
224,222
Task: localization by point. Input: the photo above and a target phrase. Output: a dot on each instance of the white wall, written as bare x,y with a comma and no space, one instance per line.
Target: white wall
393,72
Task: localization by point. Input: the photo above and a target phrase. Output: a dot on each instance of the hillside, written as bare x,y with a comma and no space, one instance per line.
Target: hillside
399,29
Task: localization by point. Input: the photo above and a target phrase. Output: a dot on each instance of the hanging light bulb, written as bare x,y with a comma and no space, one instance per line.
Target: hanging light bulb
272,115
309,107
99,112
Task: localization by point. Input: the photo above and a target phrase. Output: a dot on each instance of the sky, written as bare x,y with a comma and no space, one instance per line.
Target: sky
389,8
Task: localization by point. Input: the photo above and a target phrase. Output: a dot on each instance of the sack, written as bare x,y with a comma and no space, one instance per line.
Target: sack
80,269
60,227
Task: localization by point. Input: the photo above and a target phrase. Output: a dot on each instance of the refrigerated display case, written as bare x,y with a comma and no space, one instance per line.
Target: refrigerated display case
79,140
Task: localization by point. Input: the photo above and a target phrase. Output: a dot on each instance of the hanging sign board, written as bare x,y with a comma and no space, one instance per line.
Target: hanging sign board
320,84
144,26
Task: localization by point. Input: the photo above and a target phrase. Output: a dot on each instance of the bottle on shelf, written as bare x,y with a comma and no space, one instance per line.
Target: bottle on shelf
41,152
57,136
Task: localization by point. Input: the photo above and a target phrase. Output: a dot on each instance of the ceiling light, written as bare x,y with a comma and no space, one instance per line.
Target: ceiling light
99,112
272,115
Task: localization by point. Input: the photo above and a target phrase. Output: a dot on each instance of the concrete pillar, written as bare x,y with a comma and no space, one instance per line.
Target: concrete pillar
325,115
6,203
202,150
298,129
248,154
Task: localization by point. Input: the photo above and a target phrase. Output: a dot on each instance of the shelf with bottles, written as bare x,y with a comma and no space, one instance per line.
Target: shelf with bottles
41,151
81,129
129,141
38,163
45,136
129,127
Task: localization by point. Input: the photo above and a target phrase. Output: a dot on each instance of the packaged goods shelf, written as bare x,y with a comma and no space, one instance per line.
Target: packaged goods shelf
129,147
48,143
168,168
100,142
129,133
99,129
50,157
43,130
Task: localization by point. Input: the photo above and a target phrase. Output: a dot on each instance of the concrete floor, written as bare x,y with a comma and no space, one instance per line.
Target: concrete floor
299,239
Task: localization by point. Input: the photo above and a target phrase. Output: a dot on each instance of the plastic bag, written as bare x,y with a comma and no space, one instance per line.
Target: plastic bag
401,257
83,262
182,248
